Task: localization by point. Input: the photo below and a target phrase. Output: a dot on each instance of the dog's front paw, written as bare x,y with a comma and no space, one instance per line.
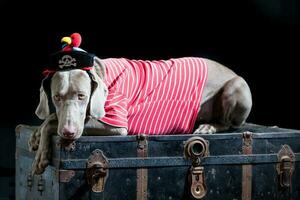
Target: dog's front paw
205,129
41,161
34,140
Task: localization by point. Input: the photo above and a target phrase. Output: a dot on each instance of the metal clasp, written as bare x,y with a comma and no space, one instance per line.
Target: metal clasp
196,148
286,166
97,171
198,187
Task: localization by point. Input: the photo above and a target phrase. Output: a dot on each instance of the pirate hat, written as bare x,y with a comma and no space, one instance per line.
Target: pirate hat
70,57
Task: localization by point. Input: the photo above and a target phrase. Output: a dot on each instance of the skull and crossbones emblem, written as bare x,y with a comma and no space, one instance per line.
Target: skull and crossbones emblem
67,61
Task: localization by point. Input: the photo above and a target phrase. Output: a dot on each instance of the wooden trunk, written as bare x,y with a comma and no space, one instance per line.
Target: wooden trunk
254,162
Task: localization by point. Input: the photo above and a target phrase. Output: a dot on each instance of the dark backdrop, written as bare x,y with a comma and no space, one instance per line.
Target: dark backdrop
258,39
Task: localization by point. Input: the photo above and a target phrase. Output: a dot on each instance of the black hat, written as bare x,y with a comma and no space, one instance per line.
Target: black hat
70,57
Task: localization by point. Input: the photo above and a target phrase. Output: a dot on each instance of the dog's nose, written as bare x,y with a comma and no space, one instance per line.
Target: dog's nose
68,134
69,131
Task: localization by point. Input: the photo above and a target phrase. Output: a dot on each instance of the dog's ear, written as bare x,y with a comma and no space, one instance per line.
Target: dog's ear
42,110
99,68
99,90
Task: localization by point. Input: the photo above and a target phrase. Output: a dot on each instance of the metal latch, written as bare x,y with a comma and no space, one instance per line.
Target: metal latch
286,166
198,187
97,170
196,148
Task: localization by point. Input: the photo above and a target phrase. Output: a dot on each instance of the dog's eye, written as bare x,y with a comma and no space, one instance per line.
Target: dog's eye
57,97
81,96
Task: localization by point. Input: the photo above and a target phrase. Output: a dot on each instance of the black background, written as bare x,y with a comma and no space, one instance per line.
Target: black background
258,39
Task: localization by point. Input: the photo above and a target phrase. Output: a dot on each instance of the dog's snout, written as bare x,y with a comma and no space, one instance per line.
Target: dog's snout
68,134
69,131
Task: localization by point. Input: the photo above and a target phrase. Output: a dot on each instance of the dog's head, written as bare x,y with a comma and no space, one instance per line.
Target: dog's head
75,94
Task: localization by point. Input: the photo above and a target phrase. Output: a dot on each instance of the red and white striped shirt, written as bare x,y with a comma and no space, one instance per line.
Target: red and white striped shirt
154,97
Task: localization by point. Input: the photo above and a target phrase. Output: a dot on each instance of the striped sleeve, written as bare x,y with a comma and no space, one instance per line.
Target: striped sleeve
116,110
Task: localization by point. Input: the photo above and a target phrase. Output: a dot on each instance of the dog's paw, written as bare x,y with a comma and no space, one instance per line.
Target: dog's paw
34,140
205,129
40,163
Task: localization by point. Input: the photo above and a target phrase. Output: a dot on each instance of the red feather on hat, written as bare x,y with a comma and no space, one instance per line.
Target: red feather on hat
76,39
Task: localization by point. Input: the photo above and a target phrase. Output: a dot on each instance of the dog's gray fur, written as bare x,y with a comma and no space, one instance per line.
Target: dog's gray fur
226,102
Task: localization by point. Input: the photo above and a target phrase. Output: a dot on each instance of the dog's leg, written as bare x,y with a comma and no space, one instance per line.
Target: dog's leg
34,140
94,127
42,155
229,108
210,128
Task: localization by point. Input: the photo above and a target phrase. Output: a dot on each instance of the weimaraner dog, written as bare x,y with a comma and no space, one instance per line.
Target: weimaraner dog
226,102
